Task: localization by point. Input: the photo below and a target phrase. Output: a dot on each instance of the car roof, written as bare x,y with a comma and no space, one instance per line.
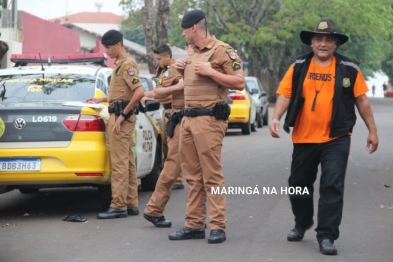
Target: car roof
58,68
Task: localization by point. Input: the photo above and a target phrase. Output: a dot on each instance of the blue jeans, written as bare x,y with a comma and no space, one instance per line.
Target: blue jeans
333,157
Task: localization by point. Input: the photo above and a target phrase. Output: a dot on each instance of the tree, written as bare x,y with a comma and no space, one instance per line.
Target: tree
266,33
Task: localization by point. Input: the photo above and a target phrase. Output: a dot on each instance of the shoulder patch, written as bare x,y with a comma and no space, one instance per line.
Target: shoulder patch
167,73
131,71
135,80
231,53
236,65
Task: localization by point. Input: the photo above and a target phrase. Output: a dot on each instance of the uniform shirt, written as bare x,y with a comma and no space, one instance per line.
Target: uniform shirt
314,126
170,76
124,80
224,60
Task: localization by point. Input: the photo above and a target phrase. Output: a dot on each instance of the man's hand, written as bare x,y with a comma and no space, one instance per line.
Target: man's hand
274,127
180,64
180,85
116,127
372,143
204,68
94,100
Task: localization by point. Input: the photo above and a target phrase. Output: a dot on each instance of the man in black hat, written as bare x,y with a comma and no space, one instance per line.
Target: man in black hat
125,91
319,92
209,70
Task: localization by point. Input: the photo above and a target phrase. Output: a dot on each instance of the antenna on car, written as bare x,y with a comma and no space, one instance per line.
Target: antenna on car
42,65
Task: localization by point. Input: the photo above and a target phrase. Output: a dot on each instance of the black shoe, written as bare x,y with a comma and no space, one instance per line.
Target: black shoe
297,233
133,211
112,213
177,186
187,233
158,221
216,236
327,247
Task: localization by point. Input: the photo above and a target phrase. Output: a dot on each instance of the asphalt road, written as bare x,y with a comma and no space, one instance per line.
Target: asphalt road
32,229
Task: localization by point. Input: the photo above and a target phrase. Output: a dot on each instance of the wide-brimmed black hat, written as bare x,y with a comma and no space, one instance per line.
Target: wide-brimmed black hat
324,26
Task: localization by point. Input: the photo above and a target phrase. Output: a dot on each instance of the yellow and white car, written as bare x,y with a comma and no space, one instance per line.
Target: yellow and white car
49,138
243,111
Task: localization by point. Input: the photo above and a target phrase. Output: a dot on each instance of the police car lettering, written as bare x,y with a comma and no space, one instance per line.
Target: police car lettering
147,144
44,119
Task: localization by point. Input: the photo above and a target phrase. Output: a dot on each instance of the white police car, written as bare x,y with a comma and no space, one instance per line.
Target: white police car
49,138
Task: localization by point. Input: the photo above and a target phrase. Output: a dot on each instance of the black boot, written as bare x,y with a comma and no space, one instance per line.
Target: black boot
297,233
216,236
327,247
187,233
112,213
133,211
158,221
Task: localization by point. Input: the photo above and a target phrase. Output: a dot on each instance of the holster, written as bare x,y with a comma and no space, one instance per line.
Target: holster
222,111
173,119
119,105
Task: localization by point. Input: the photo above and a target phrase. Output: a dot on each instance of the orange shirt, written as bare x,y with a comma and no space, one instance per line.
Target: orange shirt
314,126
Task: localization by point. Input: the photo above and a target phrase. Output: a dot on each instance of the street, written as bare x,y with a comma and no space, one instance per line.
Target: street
31,226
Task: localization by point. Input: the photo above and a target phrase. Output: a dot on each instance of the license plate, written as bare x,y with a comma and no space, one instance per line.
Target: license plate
20,164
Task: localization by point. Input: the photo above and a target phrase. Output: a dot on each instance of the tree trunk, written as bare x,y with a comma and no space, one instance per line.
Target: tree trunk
147,11
162,21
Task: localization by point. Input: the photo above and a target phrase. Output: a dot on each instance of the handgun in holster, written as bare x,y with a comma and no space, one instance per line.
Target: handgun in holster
173,119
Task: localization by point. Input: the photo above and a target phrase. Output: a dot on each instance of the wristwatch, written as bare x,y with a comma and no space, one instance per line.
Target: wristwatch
126,116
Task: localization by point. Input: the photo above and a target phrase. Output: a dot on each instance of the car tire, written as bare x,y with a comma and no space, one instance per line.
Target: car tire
246,128
29,190
254,126
149,182
266,117
260,119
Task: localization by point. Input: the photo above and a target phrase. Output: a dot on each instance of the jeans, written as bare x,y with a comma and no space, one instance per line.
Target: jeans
333,157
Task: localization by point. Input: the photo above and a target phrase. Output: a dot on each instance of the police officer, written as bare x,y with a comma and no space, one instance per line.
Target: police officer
125,92
169,85
209,70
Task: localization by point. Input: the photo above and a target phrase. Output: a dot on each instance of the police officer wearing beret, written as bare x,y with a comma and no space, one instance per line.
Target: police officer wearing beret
125,92
210,69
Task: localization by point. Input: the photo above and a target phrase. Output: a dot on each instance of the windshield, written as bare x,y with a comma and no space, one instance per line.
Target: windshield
46,87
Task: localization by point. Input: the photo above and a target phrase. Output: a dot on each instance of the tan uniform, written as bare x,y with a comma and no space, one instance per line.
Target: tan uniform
201,137
171,169
124,183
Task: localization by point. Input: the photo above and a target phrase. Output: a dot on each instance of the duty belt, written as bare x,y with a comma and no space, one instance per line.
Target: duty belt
111,109
168,106
191,112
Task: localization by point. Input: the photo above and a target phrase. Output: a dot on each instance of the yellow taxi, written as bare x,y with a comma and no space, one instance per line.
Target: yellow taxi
50,138
243,111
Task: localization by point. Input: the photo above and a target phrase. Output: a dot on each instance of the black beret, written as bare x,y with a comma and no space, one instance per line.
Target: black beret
191,18
111,37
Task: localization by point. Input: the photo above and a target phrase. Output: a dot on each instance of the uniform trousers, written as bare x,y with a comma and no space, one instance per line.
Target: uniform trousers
124,182
167,178
333,157
200,155
165,149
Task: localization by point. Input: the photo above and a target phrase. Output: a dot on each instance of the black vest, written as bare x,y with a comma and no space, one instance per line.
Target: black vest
343,114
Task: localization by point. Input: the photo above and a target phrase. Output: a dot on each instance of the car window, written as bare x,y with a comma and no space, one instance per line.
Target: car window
46,87
260,85
251,85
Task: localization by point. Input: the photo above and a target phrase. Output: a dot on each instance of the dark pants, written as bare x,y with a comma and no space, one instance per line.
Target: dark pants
333,157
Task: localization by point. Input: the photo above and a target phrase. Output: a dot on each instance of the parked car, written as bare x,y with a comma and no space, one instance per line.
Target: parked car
259,95
243,111
50,138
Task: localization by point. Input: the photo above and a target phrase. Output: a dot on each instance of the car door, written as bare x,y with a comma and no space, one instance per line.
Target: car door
145,146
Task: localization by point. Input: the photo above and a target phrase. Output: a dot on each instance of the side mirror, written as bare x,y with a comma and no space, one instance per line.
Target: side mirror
152,105
254,91
263,93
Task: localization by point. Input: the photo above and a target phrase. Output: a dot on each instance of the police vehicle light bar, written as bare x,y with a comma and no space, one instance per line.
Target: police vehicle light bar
98,58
